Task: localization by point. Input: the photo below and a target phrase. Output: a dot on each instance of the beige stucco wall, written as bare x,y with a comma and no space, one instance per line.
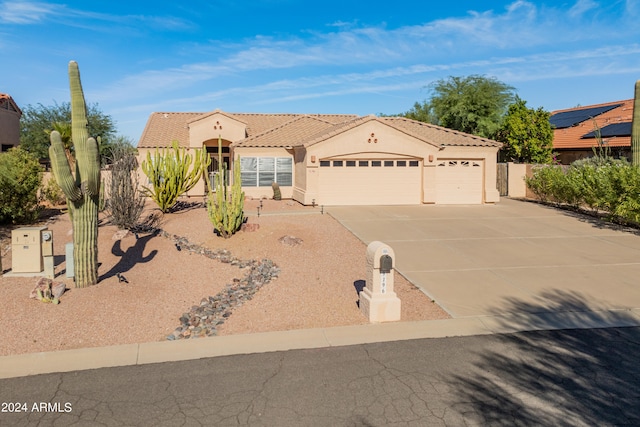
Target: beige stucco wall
372,140
9,127
516,183
214,126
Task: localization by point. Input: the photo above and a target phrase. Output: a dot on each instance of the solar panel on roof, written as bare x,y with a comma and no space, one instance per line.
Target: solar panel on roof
616,129
569,118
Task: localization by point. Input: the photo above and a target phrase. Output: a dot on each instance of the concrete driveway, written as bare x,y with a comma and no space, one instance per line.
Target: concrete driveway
512,258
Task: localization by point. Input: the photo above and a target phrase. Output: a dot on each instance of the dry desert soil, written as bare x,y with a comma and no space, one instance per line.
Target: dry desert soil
316,286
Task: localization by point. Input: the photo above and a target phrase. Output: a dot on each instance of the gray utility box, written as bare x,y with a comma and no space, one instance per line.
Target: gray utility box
28,247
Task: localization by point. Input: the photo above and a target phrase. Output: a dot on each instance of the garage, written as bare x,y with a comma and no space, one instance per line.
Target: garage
459,181
370,182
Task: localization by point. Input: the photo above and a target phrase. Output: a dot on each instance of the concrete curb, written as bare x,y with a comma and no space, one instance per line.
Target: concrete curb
169,351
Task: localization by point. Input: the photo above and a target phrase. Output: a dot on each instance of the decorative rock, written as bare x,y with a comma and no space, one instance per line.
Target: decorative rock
121,234
249,227
48,287
202,320
290,240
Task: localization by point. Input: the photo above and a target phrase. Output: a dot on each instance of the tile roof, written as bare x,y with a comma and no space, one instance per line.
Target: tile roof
163,128
279,130
438,135
7,103
309,130
294,132
574,137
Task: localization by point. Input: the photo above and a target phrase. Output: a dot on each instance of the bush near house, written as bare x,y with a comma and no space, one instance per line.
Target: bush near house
20,179
608,186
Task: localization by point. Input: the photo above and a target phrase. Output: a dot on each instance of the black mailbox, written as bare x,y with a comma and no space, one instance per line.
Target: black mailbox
386,264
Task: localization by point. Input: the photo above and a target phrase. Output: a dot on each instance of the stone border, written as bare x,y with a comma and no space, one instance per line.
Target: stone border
202,320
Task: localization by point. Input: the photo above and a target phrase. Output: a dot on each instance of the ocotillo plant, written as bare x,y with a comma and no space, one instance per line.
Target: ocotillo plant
82,189
171,174
635,128
226,208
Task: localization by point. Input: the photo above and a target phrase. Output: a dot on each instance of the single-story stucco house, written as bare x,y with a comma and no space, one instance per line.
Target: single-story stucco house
328,159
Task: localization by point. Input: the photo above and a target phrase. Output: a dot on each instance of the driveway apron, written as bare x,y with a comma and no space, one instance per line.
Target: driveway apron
511,258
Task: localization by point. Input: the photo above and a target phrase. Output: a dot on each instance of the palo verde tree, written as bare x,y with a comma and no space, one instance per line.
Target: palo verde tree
474,104
526,133
171,174
82,189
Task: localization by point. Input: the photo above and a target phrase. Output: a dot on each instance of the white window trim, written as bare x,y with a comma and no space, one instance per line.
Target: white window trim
275,170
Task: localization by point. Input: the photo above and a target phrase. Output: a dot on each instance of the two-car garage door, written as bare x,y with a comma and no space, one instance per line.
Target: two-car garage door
370,182
398,182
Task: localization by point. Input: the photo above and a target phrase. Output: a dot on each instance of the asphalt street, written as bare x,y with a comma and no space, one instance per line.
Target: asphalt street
550,378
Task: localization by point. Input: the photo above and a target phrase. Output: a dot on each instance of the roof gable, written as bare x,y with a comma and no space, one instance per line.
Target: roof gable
292,133
425,132
7,103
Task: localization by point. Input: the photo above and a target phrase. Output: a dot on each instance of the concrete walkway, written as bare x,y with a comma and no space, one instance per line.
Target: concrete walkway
502,268
514,258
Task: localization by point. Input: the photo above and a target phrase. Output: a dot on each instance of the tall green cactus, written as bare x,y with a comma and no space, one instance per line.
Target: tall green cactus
635,128
82,189
226,208
171,174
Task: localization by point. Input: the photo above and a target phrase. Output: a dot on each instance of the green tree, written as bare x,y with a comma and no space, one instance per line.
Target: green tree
20,178
38,121
474,104
420,112
526,133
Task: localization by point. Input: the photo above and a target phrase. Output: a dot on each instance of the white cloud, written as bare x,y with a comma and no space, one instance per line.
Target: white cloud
581,7
28,12
25,12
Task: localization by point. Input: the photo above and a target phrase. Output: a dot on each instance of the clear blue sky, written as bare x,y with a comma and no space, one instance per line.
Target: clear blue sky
329,56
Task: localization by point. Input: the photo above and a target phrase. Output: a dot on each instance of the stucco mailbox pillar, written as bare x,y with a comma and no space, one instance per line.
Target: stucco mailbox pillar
378,301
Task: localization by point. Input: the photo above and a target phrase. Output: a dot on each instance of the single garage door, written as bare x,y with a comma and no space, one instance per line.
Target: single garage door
459,181
370,182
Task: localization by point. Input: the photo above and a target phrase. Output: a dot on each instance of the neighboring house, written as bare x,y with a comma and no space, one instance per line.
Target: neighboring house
574,136
330,159
9,123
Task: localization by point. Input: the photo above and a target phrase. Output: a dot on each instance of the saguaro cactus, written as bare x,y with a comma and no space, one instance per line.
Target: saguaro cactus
635,128
226,208
82,189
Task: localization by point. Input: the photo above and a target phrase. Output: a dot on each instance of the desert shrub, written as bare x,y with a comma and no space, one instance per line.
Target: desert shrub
544,181
52,193
624,197
20,179
125,202
605,185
